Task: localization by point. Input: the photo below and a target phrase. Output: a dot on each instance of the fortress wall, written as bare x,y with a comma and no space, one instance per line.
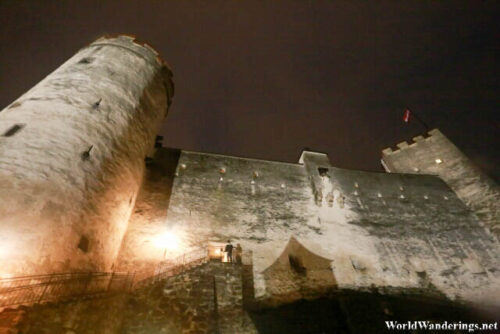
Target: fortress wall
390,231
139,251
478,191
70,173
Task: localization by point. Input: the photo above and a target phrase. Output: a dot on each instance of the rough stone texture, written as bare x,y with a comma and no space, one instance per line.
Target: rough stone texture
478,191
72,155
92,316
138,252
391,231
299,273
206,299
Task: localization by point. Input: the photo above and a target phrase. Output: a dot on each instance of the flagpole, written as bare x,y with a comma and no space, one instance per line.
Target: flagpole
419,119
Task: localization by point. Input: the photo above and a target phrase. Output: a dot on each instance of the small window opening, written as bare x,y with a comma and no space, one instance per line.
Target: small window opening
323,171
159,141
83,245
296,264
86,154
330,198
13,130
97,104
86,60
421,274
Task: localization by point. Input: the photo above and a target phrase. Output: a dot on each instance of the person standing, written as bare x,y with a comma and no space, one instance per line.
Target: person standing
238,253
229,251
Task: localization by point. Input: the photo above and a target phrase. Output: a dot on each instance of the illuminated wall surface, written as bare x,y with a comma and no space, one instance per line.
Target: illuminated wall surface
75,196
72,155
394,231
437,155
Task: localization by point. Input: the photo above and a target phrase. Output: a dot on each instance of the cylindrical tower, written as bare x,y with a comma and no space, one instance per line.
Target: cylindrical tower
72,153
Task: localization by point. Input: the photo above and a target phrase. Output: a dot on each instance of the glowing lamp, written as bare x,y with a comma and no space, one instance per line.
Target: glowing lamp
167,240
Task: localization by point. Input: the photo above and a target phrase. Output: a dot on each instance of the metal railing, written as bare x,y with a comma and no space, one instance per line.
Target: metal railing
172,267
29,290
56,287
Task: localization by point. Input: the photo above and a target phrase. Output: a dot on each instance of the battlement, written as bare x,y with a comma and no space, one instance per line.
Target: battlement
131,43
415,141
437,155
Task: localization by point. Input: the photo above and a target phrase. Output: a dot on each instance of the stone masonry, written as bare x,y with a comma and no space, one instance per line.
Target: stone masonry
206,299
437,155
72,153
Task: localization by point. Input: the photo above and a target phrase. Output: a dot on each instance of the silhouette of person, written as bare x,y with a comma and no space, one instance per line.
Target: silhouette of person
238,253
229,251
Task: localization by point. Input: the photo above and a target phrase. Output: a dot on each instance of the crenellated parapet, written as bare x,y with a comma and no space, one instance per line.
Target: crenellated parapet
437,155
310,227
414,143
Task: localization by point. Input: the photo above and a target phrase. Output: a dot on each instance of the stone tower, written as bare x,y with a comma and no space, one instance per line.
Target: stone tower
72,153
437,155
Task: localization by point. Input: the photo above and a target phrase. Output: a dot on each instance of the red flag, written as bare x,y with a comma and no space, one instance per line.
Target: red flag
406,116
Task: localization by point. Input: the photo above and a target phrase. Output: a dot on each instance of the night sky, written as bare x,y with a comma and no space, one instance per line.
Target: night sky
266,79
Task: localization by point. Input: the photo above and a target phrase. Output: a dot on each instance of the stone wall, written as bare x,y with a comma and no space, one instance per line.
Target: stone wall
393,231
138,251
72,153
437,155
102,315
203,299
206,299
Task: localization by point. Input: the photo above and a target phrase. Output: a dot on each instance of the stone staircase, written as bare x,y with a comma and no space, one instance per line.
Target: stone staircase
22,296
203,298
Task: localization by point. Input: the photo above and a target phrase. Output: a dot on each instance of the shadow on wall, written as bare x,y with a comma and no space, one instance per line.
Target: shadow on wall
298,273
361,312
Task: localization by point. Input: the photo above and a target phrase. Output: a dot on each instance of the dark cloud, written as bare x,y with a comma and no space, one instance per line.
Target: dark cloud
264,79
